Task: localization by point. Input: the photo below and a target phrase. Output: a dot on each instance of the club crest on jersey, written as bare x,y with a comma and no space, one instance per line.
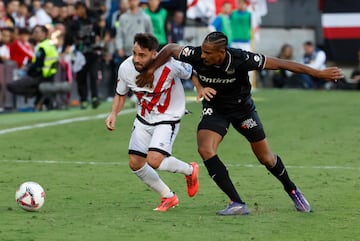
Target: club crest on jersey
230,71
259,59
187,51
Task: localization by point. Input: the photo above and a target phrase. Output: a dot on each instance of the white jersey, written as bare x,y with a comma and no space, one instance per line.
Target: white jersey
166,100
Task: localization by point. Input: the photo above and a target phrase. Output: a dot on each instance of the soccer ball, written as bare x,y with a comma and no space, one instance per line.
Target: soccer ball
30,196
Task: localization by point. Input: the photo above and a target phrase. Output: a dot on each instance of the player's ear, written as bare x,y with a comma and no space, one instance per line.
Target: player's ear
222,51
153,54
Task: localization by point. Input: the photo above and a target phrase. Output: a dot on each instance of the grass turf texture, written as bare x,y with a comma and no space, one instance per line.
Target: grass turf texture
92,194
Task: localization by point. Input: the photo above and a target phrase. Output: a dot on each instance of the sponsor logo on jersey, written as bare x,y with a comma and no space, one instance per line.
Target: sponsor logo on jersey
248,124
217,80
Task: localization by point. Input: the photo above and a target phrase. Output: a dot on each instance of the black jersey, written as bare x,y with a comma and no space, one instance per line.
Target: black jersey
231,80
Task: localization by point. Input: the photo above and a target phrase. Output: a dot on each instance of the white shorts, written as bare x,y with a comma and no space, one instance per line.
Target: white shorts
158,137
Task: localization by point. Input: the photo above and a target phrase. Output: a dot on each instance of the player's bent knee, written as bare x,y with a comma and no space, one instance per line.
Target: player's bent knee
206,152
154,159
136,162
268,160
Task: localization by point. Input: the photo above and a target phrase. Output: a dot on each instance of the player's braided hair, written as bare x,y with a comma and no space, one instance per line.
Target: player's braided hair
217,38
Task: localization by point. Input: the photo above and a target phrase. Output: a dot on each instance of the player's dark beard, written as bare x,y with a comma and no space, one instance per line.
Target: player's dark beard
143,67
138,69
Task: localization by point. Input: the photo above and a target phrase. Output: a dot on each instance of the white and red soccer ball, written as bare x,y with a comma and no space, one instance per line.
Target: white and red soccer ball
30,196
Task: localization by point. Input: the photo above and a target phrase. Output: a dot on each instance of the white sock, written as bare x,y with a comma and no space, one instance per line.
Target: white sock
172,164
151,178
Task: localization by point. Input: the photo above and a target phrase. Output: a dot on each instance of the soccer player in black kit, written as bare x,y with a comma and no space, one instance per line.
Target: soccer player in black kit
224,84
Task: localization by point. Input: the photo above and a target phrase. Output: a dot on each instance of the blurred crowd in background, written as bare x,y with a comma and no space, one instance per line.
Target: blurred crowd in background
93,38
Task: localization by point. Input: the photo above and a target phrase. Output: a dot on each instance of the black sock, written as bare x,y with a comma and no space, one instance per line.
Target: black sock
279,171
220,175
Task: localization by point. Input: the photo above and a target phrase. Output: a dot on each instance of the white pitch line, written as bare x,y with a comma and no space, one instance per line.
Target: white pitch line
61,122
71,120
126,111
126,163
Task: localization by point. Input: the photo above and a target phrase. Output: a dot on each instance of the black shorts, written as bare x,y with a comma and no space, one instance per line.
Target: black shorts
249,124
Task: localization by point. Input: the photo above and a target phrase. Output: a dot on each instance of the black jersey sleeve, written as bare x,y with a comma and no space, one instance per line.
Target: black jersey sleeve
190,54
253,61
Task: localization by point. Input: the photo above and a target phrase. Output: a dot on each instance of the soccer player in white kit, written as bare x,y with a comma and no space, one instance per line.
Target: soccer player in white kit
160,108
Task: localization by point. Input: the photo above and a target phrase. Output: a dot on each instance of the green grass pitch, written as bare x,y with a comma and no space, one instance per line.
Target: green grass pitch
92,195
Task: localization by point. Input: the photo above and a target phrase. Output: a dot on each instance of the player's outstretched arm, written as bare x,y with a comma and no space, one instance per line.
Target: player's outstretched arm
330,73
117,106
147,77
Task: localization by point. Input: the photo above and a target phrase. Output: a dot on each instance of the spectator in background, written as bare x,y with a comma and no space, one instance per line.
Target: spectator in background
23,16
111,6
21,51
57,36
201,11
241,27
314,58
105,50
64,16
221,23
7,35
54,13
115,23
281,77
41,16
108,67
143,4
115,59
4,20
175,28
82,33
158,16
48,6
100,7
58,39
43,68
11,11
100,30
133,21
